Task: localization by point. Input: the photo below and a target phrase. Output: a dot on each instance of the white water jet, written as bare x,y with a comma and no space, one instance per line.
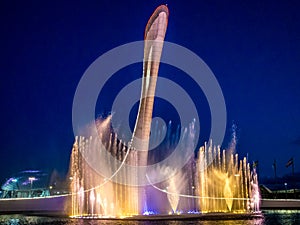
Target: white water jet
92,201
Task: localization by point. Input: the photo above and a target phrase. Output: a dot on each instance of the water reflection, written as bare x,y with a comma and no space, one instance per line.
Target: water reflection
283,217
170,222
271,217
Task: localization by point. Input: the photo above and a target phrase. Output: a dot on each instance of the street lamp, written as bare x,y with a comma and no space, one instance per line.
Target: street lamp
285,184
31,179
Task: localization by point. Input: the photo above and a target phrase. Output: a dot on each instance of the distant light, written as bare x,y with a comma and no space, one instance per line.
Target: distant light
237,175
285,184
31,178
31,171
50,187
14,180
71,178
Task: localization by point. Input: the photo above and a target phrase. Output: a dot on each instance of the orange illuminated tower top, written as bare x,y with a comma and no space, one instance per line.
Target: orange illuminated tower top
153,22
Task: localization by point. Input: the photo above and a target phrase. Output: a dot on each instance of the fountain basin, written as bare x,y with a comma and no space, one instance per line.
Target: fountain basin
197,216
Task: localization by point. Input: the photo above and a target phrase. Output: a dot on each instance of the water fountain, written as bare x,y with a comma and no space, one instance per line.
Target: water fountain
224,185
214,181
92,193
103,169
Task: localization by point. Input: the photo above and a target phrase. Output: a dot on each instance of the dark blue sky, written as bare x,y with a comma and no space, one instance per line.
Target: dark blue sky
253,48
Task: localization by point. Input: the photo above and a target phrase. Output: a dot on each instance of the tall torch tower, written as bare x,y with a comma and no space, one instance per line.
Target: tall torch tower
154,36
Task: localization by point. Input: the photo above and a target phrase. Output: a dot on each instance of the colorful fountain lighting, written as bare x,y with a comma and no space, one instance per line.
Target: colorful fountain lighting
225,184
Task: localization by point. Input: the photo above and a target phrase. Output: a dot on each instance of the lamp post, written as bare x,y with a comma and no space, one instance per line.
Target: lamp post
31,179
285,184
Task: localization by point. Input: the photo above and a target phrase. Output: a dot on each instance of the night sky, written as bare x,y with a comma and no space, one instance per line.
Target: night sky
253,48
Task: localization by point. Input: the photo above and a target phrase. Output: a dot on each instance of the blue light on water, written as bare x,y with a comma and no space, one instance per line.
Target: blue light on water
193,212
149,212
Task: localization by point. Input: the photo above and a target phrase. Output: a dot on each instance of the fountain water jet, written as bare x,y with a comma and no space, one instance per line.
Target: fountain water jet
92,201
173,198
